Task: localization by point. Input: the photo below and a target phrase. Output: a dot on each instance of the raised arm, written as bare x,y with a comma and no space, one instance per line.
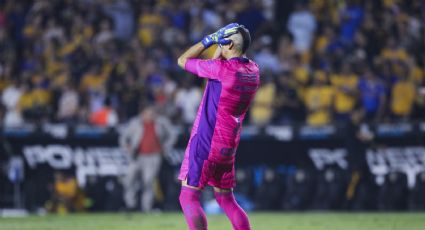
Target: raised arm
193,52
214,38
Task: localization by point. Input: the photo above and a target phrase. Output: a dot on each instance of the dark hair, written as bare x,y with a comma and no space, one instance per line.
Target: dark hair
246,37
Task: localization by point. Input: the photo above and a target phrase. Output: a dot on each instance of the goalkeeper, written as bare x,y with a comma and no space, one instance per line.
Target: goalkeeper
209,159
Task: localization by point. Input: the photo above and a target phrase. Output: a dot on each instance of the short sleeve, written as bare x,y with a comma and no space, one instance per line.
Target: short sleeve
205,68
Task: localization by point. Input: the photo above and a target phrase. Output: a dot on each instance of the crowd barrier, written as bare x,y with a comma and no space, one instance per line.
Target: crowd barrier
301,165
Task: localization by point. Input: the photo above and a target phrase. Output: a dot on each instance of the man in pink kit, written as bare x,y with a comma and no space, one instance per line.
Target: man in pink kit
210,155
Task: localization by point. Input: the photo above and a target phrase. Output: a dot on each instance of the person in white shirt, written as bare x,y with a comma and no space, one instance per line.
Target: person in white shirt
10,99
68,104
187,101
302,25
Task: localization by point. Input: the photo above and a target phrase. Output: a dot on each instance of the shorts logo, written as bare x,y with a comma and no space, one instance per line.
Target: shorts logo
227,152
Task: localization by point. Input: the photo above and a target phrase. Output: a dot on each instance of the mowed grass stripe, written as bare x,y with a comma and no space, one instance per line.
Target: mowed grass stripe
259,221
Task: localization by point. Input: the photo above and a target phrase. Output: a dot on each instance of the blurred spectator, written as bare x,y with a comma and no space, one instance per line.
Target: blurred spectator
268,60
351,19
301,74
149,23
66,195
302,25
96,98
262,105
35,101
106,116
121,13
95,77
402,98
288,107
318,100
68,105
145,138
126,50
372,95
187,100
286,52
393,52
53,31
345,85
105,34
10,100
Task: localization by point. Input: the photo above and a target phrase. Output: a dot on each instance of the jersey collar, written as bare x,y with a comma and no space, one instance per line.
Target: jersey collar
241,59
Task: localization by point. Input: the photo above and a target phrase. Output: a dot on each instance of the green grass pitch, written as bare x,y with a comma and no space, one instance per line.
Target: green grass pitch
259,221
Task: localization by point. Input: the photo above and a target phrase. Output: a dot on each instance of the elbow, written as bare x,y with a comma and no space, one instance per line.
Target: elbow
181,62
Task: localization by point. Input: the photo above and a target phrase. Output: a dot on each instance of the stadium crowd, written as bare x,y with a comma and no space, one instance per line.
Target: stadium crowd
99,61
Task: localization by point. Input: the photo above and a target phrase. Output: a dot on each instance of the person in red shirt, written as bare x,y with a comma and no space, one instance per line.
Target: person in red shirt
105,116
145,138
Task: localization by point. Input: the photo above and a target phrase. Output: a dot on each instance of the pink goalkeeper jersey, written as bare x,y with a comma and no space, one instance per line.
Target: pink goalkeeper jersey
216,131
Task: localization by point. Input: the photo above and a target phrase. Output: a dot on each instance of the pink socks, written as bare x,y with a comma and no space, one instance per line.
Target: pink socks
234,212
192,209
195,216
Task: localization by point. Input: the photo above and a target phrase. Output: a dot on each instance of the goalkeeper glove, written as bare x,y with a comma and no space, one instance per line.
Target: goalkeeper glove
218,37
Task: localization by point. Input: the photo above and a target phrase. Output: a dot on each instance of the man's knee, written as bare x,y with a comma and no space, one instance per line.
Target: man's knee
221,194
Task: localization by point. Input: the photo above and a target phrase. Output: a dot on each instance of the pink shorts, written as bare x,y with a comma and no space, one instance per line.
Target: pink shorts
198,170
212,174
